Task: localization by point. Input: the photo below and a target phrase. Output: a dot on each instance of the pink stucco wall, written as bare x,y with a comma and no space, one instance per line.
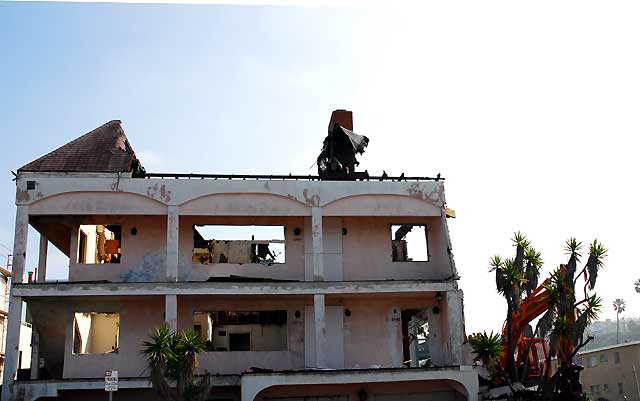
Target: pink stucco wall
137,318
366,250
143,254
363,253
372,334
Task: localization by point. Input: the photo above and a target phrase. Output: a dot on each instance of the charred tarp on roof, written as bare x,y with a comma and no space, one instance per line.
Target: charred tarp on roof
338,156
103,150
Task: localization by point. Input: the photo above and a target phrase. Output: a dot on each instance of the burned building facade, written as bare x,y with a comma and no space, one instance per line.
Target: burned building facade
331,288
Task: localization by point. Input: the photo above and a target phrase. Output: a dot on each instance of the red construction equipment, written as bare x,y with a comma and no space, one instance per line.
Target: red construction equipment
533,348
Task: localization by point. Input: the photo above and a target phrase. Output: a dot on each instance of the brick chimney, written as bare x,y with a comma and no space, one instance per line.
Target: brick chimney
343,118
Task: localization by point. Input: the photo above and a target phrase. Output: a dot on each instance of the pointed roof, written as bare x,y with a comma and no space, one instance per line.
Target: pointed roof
103,150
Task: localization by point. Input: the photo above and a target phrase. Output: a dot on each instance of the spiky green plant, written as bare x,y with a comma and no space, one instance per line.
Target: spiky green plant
487,348
173,360
565,319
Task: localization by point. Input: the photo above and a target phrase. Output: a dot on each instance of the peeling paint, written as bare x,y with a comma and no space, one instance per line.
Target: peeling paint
147,270
436,195
314,200
161,192
22,196
165,194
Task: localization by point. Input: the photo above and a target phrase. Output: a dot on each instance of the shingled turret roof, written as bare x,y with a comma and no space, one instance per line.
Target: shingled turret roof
103,150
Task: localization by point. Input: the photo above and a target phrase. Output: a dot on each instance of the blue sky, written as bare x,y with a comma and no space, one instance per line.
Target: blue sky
529,111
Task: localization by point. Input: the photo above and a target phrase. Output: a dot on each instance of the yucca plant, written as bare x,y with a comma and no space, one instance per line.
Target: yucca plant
173,360
487,348
565,318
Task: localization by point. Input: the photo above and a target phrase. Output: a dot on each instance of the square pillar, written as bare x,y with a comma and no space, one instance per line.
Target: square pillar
320,333
317,244
14,323
20,243
171,312
42,259
35,354
173,224
14,318
455,326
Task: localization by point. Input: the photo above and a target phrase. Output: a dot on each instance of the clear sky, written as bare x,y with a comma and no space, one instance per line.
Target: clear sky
530,110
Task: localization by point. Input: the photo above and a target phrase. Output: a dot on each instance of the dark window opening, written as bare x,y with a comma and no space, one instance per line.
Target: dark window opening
415,330
243,331
239,341
238,244
409,243
99,243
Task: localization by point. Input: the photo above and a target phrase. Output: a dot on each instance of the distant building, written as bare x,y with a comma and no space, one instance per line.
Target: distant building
611,373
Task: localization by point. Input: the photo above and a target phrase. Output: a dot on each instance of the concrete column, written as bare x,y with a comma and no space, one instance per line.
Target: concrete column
455,325
413,350
14,322
42,259
14,319
173,223
20,243
171,311
320,330
35,354
317,243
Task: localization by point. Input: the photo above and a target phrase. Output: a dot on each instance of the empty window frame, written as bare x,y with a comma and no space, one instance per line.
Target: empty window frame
243,331
96,333
99,243
409,243
238,244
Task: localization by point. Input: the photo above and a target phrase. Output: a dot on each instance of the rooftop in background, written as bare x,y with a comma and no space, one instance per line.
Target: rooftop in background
609,347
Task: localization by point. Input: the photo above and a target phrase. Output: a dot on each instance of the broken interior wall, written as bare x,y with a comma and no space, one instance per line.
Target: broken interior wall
104,333
234,362
292,269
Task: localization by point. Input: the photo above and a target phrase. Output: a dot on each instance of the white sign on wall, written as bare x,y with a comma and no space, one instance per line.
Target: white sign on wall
111,380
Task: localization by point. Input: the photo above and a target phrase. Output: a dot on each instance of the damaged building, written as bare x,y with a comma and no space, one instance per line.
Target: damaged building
340,286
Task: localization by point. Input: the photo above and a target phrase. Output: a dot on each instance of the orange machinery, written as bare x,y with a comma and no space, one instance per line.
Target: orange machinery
536,348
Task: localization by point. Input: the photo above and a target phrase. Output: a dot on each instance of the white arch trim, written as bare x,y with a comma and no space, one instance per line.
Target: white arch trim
96,202
381,205
244,204
253,384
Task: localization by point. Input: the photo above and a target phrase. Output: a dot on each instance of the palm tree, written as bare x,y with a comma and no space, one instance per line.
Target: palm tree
173,360
619,306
